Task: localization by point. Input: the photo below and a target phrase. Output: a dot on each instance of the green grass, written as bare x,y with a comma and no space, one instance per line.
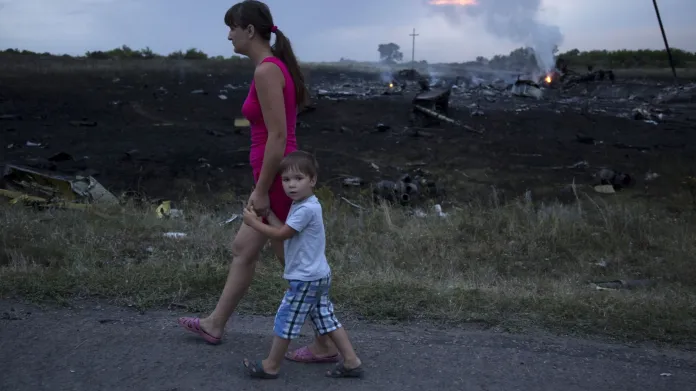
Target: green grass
516,266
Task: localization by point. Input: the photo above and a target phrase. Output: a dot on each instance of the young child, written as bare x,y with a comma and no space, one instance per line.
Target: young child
306,270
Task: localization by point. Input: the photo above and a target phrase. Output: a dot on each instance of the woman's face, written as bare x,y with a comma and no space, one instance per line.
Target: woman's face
240,38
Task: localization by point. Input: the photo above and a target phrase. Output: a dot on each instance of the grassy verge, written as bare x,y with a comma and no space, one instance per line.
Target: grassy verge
513,266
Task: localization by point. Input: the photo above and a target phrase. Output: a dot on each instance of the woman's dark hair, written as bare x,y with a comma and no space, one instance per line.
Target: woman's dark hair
257,14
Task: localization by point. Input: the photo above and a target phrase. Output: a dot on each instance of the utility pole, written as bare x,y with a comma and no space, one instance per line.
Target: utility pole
664,38
413,50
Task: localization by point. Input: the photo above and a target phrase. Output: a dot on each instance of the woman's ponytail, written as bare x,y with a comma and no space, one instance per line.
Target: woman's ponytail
283,50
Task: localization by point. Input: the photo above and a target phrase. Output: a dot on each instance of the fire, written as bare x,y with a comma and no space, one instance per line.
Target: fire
391,85
453,2
548,79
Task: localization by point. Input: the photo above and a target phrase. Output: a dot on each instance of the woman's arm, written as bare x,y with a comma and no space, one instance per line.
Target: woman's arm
269,82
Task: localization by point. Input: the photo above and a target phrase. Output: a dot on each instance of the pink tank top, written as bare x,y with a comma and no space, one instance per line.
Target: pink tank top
251,109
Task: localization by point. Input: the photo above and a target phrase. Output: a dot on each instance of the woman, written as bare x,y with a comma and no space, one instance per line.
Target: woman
271,107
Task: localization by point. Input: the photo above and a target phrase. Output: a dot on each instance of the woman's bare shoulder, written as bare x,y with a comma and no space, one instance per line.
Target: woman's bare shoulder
268,72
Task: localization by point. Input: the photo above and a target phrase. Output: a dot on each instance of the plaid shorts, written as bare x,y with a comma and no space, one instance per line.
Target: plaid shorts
306,298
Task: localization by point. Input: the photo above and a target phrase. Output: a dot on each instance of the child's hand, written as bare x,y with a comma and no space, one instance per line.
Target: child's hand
250,216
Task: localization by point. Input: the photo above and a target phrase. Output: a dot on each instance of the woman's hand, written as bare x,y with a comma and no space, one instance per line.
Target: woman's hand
260,203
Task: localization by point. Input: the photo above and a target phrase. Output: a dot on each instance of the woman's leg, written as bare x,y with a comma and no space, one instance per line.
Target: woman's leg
246,249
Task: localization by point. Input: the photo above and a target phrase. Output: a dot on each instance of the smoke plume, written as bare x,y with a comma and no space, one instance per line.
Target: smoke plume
515,20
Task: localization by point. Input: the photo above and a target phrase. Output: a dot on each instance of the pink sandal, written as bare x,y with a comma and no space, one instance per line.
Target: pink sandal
305,355
194,325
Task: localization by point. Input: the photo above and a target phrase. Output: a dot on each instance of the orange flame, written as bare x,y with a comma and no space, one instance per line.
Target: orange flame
548,79
453,2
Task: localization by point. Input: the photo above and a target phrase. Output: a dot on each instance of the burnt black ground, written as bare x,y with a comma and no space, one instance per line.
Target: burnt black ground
99,347
183,145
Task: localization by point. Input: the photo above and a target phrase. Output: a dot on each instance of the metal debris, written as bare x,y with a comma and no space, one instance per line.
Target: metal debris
437,208
54,188
622,284
353,204
84,123
527,88
241,123
617,180
353,181
175,235
442,117
434,114
405,190
647,114
434,100
651,176
605,189
230,219
165,210
677,94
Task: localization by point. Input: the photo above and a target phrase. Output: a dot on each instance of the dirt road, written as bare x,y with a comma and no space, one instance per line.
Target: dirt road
99,347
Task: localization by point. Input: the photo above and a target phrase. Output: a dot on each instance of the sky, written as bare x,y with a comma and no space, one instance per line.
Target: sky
327,30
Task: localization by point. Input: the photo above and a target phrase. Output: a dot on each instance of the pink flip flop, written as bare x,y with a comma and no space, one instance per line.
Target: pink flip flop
194,325
305,355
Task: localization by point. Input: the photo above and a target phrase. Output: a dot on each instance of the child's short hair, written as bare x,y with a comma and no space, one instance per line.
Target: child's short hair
301,161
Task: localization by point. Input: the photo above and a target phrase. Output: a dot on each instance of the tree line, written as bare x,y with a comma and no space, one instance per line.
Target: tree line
126,53
391,53
644,58
523,57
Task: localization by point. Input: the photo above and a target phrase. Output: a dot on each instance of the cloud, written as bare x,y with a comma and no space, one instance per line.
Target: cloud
436,39
321,30
73,26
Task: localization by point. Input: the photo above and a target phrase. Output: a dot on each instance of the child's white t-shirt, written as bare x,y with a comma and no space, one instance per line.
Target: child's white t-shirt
305,253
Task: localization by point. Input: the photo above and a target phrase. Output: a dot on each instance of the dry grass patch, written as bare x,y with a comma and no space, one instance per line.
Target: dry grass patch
512,266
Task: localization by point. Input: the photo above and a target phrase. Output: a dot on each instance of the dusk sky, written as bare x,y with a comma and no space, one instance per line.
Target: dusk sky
326,30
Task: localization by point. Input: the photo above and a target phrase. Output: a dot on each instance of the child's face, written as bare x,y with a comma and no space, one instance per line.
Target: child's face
297,185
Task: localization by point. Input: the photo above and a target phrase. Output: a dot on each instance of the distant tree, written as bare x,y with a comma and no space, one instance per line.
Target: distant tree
177,55
195,54
97,55
390,53
628,58
21,52
124,52
147,53
519,59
